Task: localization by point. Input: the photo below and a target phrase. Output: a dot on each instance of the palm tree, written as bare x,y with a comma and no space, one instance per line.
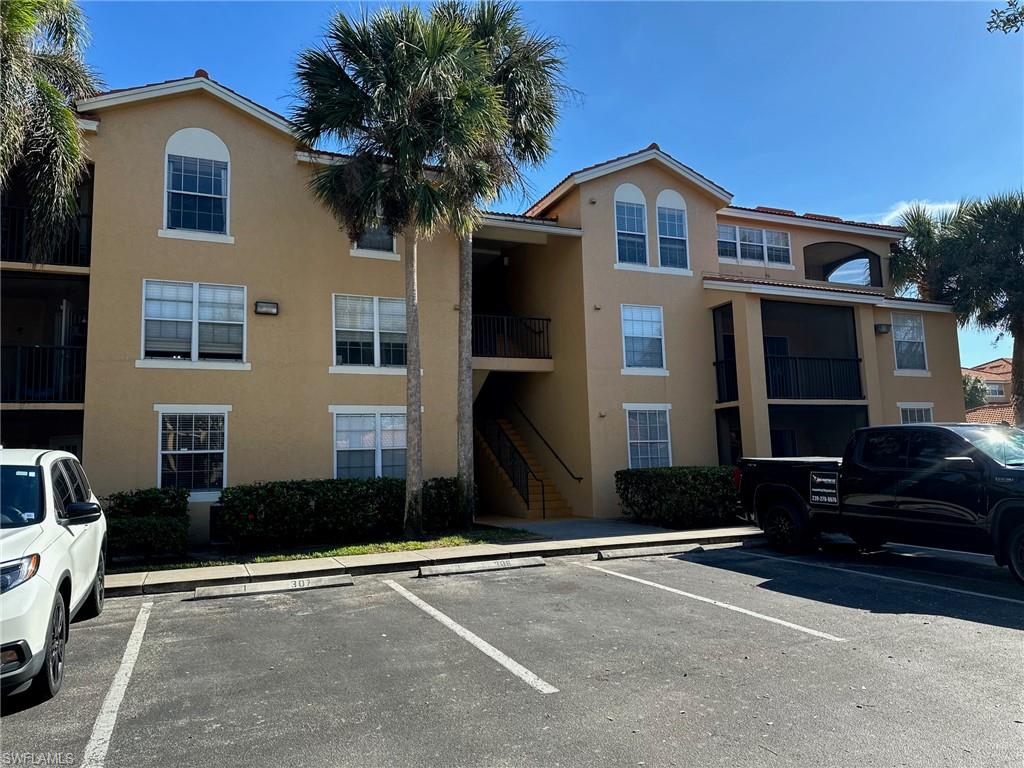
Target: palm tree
42,73
407,96
527,69
915,262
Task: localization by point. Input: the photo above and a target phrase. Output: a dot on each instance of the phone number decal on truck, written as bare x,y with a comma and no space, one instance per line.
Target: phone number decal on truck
825,488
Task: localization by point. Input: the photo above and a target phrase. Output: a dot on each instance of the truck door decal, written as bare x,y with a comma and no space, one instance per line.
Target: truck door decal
825,489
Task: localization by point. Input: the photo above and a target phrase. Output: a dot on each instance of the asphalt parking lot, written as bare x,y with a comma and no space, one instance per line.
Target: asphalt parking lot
730,657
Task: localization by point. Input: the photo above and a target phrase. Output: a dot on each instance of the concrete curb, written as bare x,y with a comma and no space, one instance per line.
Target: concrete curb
187,579
670,549
511,563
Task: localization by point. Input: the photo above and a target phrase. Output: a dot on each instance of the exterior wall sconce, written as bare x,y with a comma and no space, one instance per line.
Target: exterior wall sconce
267,308
882,328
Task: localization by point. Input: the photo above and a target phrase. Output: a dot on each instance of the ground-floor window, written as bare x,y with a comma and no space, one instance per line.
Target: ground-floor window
916,413
369,441
648,441
193,447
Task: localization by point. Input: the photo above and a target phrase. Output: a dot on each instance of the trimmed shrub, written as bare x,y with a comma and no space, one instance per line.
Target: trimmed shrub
147,523
678,497
301,512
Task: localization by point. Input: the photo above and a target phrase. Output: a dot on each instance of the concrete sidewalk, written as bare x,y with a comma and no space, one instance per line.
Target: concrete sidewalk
187,579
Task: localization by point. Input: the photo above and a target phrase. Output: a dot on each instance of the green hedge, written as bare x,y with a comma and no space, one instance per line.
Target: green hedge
678,497
147,523
299,512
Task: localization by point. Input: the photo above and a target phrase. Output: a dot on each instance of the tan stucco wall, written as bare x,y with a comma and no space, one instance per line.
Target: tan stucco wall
287,249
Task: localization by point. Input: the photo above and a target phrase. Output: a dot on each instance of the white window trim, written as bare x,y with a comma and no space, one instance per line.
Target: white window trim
1000,393
195,363
369,253
655,270
666,407
221,410
362,410
630,193
909,406
376,368
673,201
192,234
637,371
763,261
897,371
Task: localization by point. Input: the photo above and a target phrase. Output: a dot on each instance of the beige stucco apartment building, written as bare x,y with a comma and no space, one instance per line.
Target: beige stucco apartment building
209,325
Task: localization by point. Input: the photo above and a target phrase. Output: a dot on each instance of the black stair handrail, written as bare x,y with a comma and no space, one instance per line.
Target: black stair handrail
512,462
544,440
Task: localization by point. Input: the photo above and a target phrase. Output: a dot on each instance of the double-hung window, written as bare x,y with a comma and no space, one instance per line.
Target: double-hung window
193,445
376,239
631,232
993,389
750,245
672,238
908,340
193,321
643,338
728,247
916,413
197,194
369,332
369,442
648,440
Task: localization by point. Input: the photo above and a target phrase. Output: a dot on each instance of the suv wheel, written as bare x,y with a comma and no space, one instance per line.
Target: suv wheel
93,605
50,678
784,527
1015,553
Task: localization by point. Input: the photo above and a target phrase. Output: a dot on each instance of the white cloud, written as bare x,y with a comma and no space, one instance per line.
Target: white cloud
895,212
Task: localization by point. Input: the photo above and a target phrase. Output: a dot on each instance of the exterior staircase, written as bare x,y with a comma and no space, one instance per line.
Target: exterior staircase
520,472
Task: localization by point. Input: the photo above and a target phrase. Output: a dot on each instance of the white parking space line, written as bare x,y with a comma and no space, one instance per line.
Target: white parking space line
914,582
96,750
720,604
479,643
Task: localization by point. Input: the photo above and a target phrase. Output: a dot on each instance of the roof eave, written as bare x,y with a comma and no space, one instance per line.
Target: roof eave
836,226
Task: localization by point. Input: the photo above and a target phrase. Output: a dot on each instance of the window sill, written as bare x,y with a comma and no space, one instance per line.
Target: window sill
773,265
909,372
363,253
644,372
201,496
188,234
194,365
656,270
367,369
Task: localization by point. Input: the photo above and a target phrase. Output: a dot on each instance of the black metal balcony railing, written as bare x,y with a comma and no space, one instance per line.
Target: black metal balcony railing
813,378
725,375
14,239
511,336
42,374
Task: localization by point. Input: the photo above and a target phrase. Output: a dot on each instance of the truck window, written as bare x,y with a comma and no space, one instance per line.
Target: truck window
929,447
886,449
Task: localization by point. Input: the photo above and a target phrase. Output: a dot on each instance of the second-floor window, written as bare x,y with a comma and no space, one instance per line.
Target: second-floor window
643,337
369,331
672,230
908,339
193,321
376,239
197,182
753,246
994,390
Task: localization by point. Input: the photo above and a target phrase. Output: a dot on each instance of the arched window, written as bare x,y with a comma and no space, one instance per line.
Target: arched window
630,225
197,163
672,230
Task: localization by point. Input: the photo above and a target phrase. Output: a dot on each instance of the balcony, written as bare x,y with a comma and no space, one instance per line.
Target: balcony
14,239
38,374
812,378
511,342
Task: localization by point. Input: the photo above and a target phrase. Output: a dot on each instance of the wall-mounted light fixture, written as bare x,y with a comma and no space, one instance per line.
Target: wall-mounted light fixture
267,308
882,328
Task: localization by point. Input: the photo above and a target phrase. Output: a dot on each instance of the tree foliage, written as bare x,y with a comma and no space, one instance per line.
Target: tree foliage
1007,20
42,74
974,391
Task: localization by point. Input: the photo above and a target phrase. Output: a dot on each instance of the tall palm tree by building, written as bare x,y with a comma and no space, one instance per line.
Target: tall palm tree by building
408,96
42,73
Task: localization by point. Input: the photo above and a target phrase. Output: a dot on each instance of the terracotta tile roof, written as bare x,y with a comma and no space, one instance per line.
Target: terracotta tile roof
985,375
999,365
523,217
812,217
791,284
990,414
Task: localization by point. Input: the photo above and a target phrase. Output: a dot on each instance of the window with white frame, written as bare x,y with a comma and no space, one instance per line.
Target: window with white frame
916,413
908,340
369,331
643,337
649,443
994,389
672,230
193,321
369,443
192,449
376,239
630,225
197,182
750,245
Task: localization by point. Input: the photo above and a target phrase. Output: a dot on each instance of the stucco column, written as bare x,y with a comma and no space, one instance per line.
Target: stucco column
755,429
868,352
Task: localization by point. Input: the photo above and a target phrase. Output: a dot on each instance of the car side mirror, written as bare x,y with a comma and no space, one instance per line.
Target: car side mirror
81,512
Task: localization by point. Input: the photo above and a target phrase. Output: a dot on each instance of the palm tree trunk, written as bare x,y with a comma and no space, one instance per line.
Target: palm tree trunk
413,522
465,388
1017,374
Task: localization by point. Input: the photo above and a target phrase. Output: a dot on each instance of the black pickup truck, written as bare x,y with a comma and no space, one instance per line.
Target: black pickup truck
955,486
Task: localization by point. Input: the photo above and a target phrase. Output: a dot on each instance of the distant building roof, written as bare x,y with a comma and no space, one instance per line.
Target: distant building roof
996,413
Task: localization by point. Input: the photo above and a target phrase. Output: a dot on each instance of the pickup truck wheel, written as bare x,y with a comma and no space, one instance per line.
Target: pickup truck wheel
784,528
1015,553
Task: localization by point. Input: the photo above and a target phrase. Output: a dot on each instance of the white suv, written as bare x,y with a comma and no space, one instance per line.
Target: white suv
53,539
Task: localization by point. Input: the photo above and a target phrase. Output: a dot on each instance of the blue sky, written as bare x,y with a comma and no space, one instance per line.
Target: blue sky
851,109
